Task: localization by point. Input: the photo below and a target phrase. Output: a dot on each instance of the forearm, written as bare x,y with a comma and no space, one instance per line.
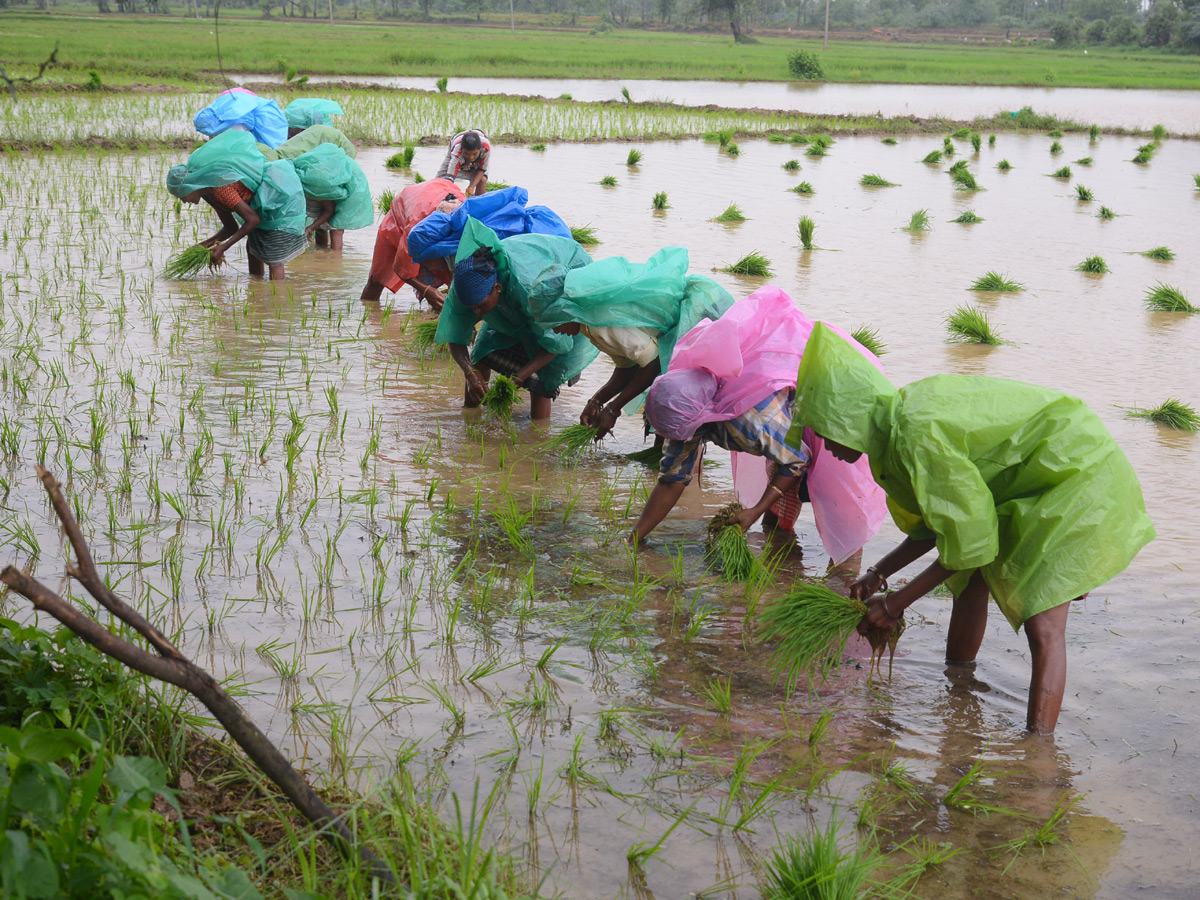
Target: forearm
537,363
461,355
327,211
614,385
660,502
427,292
639,380
922,584
909,550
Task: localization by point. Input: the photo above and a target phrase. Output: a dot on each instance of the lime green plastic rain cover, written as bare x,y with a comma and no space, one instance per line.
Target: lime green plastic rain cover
309,139
230,156
656,294
327,173
1019,481
531,270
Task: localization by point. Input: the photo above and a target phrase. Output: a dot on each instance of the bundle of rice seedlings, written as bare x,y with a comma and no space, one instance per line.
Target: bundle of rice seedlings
1162,253
965,181
804,230
918,221
803,188
537,147
955,168
177,206
753,263
1093,132
424,334
1148,148
1164,298
1094,265
385,200
991,140
187,263
809,625
1106,213
572,441
962,133
609,181
1054,133
660,201
947,147
968,218
798,139
732,213
823,141
732,150
565,97
634,157
976,141
1004,165
970,325
625,93
1055,147
418,178
1083,194
996,283
403,159
1085,161
872,180
585,235
1196,178
814,866
792,165
1064,172
650,456
1143,156
1172,413
890,141
726,546
501,396
869,338
933,157
774,138
814,150
441,84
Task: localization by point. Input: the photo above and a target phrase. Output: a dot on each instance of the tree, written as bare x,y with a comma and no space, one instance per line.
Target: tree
730,10
1122,31
1160,24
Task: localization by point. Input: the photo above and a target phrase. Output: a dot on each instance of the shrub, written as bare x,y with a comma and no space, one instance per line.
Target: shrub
1065,30
1122,31
1095,32
805,66
1160,24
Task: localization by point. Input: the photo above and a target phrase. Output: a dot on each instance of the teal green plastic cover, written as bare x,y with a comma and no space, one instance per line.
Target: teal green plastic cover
307,140
230,156
279,199
306,111
327,173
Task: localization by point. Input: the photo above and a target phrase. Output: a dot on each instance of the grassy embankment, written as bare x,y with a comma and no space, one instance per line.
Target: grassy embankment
182,52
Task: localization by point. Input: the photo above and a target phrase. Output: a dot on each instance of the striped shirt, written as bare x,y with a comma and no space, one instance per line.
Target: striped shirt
454,165
761,431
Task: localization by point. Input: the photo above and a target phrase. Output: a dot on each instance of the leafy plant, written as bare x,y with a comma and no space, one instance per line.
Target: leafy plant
933,157
872,180
961,133
805,66
728,550
93,83
991,140
792,165
1164,298
187,263
609,181
967,218
403,159
970,324
725,136
660,201
994,282
804,230
1106,213
718,694
441,84
1143,156
809,626
1084,161
965,793
803,188
424,335
815,150
1159,132
1054,133
1004,165
634,157
1093,132
869,338
537,147
501,396
732,150
572,441
753,263
1094,265
1055,147
976,141
1052,831
1161,253
1083,194
1064,172
814,867
964,181
732,213
626,95
890,141
918,221
1172,413
1196,179
584,235
385,200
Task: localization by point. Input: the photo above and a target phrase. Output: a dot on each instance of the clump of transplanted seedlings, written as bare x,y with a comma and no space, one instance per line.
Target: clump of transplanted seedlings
970,325
660,201
869,338
537,147
804,189
732,150
804,230
991,140
1144,155
1093,265
1172,413
753,264
890,141
650,456
1055,147
994,282
501,396
1004,165
918,221
441,84
634,157
572,442
1064,172
873,180
1105,213
964,180
1083,194
967,218
727,548
1084,161
584,235
385,200
792,165
965,793
815,150
732,213
1052,831
187,263
1164,298
424,335
1093,133
609,181
403,159
1165,254
814,867
417,178
948,147
933,157
976,141
1196,179
961,133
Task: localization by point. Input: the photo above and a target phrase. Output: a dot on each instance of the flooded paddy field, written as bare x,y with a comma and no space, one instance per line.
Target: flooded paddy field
393,585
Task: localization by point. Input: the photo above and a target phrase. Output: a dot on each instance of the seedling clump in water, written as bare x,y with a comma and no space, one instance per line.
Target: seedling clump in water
1172,413
1161,253
501,396
994,282
732,213
967,218
385,200
1164,298
609,181
869,338
403,159
727,547
1094,265
872,180
918,221
634,157
572,441
969,324
792,165
660,201
804,230
1083,194
803,188
187,263
753,264
933,157
584,235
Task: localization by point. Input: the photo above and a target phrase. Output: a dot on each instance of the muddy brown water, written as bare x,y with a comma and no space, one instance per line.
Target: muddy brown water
392,602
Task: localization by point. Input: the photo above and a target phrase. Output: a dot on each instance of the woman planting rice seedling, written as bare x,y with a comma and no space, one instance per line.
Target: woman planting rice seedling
731,383
304,112
1021,490
230,175
336,192
243,110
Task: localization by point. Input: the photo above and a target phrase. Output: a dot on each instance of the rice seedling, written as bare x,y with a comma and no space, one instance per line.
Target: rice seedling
728,550
626,95
1004,165
965,793
798,139
501,396
890,141
441,84
385,200
539,148
1105,213
1196,179
187,263
634,157
1142,157
964,181
792,165
718,694
1094,265
810,625
1055,147
1159,132
1172,413
869,338
955,168
732,213
933,157
803,188
401,160
804,230
732,150
927,854
423,335
1064,172
572,441
823,141
1082,194
961,134
417,178
1054,133
1164,298
967,218
994,282
976,141
918,221
1084,161
584,235
1161,253
814,867
948,147
991,140
660,201
725,136
1093,133
873,180
753,264
609,181
1052,831
815,150
970,325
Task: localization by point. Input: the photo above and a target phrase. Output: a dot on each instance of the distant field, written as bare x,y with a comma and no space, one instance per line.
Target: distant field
180,51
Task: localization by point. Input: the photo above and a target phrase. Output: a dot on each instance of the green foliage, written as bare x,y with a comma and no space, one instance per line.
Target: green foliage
803,188
628,98
732,149
572,442
1093,133
964,181
732,556
1196,179
1054,133
540,148
417,178
792,165
809,626
933,157
660,201
1093,265
815,150
991,140
805,66
1004,165
966,794
584,235
1084,161
961,133
1142,157
1164,298
967,218
869,338
634,157
725,136
1083,194
970,325
1064,172
1106,213
1159,132
889,141
1164,254
976,141
441,84
188,263
804,230
424,335
732,213
1172,413
403,159
918,221
1055,147
609,181
385,200
753,264
501,396
994,282
814,867
873,180
93,83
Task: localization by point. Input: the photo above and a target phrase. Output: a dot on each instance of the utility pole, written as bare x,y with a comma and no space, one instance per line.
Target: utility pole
826,47
330,12
512,18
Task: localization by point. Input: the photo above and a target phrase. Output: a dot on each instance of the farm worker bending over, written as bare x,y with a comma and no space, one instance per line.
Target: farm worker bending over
391,265
1021,489
242,110
731,383
467,157
231,176
635,313
304,112
500,283
336,193
309,139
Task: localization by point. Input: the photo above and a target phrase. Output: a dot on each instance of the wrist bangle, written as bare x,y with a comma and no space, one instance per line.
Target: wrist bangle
779,492
887,610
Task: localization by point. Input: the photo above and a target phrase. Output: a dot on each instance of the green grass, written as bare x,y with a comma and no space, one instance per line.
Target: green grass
1164,298
792,165
1084,161
1093,133
401,160
976,141
967,218
1083,194
659,201
869,338
572,442
964,181
1004,165
1164,254
188,262
753,264
732,150
1171,413
732,557
970,325
609,181
918,221
1055,147
634,157
1105,213
732,213
1094,265
584,235
933,157
815,150
385,201
1143,156
502,394
424,334
539,148
872,180
994,282
889,141
1196,179
1064,172
804,230
803,188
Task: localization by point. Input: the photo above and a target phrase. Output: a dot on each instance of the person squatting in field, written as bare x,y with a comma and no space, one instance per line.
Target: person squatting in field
467,157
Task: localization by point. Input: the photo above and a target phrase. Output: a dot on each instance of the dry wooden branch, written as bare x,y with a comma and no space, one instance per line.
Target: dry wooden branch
172,667
11,82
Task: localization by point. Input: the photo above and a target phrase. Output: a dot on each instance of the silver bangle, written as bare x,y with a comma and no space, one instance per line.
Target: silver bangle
887,610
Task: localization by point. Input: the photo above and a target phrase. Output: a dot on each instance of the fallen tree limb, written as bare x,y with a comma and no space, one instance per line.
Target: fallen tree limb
172,667
11,83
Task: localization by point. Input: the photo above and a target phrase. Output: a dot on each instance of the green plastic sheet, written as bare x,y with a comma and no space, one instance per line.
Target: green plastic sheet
279,200
327,173
309,139
532,271
230,156
304,112
1018,481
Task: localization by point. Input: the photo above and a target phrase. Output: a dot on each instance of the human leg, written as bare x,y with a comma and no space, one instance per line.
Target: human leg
336,237
968,619
1047,636
257,266
277,273
322,237
372,291
539,406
